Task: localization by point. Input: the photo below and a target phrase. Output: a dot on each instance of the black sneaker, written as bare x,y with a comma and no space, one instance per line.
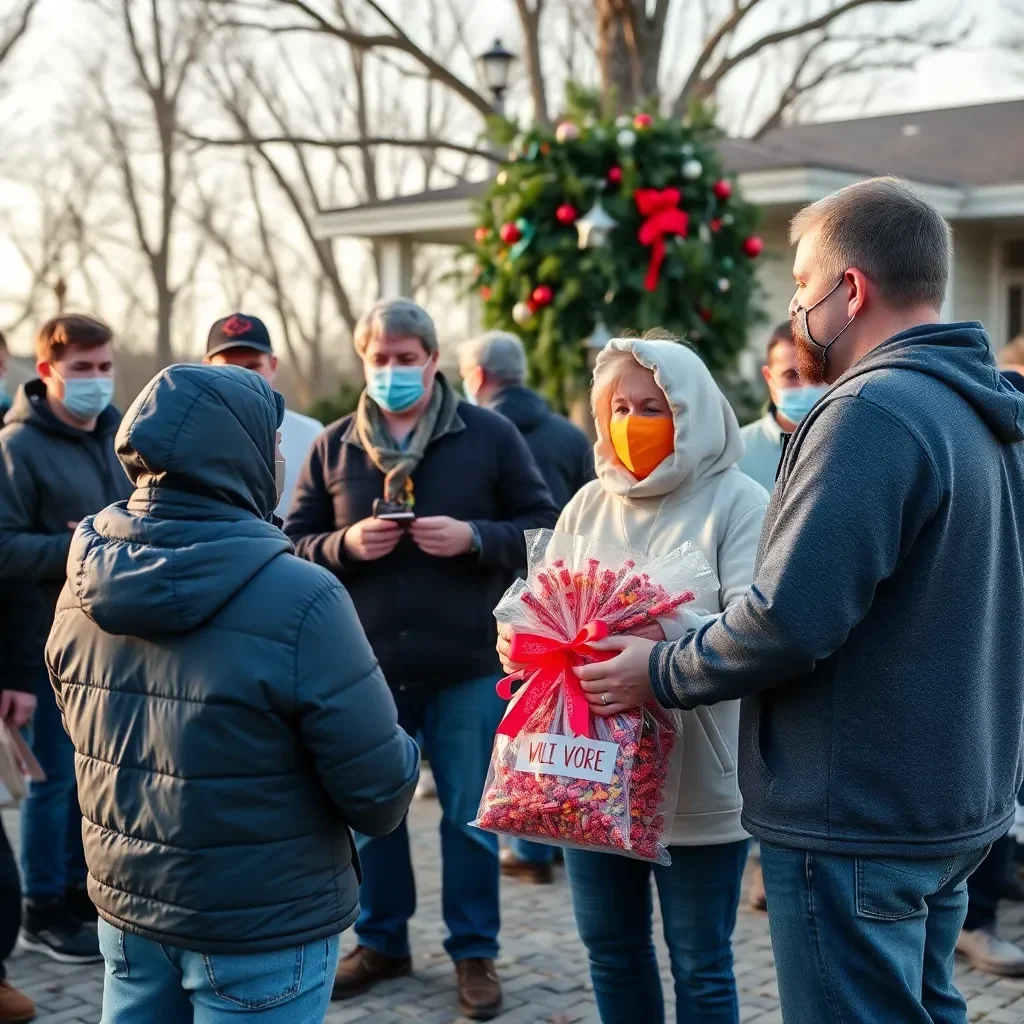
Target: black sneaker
81,907
52,929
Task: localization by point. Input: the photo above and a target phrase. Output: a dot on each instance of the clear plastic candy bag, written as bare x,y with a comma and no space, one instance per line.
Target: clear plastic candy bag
559,774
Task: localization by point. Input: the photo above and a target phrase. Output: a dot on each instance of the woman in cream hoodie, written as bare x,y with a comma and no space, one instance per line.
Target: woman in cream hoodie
666,454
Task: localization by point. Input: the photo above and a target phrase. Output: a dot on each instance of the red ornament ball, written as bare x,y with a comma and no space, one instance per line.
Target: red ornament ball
532,306
542,295
510,234
753,246
566,214
485,293
706,315
716,224
481,235
643,120
722,188
615,175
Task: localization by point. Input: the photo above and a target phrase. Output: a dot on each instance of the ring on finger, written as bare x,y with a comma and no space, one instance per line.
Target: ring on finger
604,699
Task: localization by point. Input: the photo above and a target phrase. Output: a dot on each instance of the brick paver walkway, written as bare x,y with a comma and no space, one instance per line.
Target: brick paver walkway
542,965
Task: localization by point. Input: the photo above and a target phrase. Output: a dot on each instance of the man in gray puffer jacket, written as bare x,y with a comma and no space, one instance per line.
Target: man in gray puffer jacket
230,721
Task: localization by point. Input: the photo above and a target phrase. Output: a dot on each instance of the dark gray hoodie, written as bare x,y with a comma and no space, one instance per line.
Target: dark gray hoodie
879,652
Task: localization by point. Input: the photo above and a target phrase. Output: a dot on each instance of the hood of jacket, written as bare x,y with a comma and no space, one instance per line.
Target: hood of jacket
31,407
708,439
960,355
525,408
198,444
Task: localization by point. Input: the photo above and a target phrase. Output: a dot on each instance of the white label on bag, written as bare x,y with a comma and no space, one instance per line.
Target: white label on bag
575,757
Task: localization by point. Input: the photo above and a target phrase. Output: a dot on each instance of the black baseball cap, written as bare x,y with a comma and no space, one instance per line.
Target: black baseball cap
238,331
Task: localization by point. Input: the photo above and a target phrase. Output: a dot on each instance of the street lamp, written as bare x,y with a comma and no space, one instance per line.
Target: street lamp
495,68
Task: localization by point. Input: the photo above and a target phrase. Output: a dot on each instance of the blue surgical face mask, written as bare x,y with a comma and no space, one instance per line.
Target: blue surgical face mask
795,403
86,397
395,388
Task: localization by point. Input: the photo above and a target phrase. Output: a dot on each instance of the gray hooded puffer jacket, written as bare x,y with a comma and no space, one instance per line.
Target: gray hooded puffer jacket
229,718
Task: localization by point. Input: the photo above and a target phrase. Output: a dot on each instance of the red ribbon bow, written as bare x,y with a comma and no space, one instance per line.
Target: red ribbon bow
549,662
660,207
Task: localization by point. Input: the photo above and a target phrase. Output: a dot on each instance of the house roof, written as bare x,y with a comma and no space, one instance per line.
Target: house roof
951,151
969,145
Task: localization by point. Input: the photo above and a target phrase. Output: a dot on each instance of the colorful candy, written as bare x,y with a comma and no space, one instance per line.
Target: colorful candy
628,811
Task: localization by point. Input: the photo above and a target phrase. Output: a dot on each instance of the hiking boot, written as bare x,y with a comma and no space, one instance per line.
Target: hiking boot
52,929
363,968
989,953
15,1006
756,899
525,870
479,988
82,908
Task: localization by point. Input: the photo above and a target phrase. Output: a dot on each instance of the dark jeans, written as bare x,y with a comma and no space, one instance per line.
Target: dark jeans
456,725
866,939
52,858
985,885
10,900
698,893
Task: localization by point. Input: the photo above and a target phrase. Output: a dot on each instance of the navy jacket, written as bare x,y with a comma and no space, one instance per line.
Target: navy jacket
879,650
229,719
429,619
562,451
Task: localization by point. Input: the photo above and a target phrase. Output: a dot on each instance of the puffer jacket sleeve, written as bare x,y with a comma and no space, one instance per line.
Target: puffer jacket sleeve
348,720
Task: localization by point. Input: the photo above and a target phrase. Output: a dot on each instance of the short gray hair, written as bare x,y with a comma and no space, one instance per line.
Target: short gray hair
395,318
499,354
883,227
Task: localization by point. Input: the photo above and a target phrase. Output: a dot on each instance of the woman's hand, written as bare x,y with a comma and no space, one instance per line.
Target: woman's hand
624,682
504,648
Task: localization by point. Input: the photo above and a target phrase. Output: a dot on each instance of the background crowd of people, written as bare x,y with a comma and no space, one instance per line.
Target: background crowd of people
257,624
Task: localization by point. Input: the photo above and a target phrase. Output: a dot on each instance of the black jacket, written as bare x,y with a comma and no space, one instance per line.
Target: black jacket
879,649
563,452
228,716
52,474
429,619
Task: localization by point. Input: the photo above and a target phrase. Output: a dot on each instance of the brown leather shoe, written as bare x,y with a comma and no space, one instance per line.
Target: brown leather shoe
479,988
363,968
757,899
525,870
15,1006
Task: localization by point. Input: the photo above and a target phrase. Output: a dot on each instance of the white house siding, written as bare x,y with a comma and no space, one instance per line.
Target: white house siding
972,276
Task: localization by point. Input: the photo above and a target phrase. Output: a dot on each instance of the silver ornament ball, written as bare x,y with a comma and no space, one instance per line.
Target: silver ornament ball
692,170
522,314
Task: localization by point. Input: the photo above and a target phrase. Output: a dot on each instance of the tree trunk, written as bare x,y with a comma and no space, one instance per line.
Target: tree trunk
629,43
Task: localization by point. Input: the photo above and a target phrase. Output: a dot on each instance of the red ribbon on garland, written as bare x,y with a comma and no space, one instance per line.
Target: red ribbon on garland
660,207
548,663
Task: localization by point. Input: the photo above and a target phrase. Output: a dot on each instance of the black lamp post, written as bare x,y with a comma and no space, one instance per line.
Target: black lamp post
495,68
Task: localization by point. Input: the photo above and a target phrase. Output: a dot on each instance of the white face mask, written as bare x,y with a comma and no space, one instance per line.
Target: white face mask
279,476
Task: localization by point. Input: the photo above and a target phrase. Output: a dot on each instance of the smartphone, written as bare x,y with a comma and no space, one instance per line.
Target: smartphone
392,511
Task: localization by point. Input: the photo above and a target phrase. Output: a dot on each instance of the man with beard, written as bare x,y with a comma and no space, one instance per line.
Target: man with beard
882,699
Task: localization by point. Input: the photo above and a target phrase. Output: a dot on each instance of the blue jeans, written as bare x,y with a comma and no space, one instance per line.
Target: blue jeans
148,983
457,725
699,893
52,858
866,939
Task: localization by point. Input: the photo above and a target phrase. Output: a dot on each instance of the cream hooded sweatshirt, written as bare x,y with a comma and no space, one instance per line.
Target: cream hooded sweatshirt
696,495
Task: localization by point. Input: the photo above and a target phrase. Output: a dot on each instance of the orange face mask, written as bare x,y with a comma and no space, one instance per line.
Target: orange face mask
643,443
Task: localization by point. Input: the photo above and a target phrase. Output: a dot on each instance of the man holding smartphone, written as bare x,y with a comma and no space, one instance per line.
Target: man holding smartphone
418,503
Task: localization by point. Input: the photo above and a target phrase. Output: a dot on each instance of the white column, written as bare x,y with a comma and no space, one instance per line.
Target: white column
395,268
948,313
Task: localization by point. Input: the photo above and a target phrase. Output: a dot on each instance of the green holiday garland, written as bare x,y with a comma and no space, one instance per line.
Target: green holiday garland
681,254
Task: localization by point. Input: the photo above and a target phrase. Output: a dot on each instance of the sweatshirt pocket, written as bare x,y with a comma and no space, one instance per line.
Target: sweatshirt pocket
717,741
